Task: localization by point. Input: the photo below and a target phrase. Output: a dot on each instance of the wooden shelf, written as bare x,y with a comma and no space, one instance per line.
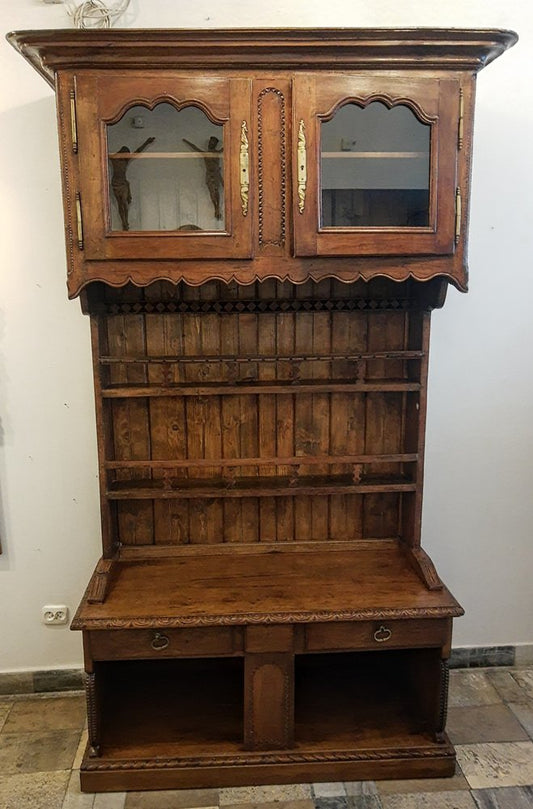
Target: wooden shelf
295,460
250,487
377,155
163,155
253,388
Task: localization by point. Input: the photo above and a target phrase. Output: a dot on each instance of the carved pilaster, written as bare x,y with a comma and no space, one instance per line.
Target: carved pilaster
443,708
93,723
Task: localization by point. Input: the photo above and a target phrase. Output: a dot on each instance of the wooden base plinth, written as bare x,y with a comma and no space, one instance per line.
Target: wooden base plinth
278,767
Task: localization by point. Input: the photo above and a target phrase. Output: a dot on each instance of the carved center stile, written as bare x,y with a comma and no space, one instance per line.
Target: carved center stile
267,234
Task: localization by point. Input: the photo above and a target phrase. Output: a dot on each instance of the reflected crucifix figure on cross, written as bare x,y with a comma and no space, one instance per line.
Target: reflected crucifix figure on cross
119,181
213,171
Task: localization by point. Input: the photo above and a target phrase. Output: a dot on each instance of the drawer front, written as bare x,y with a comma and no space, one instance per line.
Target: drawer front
376,634
131,644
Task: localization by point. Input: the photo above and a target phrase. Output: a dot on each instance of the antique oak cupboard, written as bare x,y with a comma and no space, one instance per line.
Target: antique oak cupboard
259,224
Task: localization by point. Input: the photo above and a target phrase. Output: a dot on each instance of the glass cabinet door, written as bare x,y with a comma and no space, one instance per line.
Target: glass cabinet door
375,166
166,170
164,167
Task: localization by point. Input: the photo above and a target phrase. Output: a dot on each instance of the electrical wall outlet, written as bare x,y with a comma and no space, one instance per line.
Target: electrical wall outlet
54,614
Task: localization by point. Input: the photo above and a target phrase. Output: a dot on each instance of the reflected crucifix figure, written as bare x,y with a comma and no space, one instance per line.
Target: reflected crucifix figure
213,171
119,182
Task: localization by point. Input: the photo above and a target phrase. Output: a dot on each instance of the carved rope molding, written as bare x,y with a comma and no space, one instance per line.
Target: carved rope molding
250,759
92,714
443,707
283,166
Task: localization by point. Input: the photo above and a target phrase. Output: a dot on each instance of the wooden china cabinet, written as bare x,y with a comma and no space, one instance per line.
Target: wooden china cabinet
259,224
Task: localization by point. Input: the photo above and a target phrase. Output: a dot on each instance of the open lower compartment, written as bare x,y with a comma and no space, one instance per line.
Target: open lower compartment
343,701
368,700
151,708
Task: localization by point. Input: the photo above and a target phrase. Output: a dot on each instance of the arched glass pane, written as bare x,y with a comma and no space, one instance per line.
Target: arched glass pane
374,168
166,170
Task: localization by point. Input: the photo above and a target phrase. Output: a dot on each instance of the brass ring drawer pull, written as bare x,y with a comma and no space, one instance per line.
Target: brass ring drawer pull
159,642
382,634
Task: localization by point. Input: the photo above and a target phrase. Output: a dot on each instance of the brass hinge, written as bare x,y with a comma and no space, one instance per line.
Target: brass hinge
73,122
460,131
79,221
458,214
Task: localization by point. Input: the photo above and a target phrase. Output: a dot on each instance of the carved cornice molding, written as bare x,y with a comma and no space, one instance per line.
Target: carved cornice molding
417,49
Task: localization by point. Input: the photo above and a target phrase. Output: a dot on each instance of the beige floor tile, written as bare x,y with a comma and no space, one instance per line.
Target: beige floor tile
109,800
484,723
524,713
38,752
525,681
329,789
172,799
74,797
468,688
5,707
429,800
499,764
506,685
454,784
265,794
303,804
80,751
41,790
360,788
67,713
504,798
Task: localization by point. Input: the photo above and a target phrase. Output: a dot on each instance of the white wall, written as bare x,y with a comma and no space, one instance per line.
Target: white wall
478,514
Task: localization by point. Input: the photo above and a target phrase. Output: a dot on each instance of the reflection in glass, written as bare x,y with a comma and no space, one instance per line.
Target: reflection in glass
166,170
375,168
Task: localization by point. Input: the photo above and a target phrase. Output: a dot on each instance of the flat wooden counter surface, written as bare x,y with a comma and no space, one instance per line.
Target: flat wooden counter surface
372,580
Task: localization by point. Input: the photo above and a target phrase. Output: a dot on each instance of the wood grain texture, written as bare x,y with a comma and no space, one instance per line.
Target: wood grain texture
277,587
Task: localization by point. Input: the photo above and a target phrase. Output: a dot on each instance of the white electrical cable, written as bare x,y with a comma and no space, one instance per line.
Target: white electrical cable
95,13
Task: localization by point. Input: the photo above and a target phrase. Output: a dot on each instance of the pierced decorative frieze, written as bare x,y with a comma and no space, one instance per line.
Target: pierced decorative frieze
259,306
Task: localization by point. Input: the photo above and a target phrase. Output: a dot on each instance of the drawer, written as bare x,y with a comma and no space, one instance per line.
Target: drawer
345,635
131,644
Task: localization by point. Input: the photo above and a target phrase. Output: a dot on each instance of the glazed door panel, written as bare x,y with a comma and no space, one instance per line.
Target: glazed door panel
375,165
163,166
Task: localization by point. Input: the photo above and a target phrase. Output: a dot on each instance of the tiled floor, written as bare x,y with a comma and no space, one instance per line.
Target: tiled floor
490,721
